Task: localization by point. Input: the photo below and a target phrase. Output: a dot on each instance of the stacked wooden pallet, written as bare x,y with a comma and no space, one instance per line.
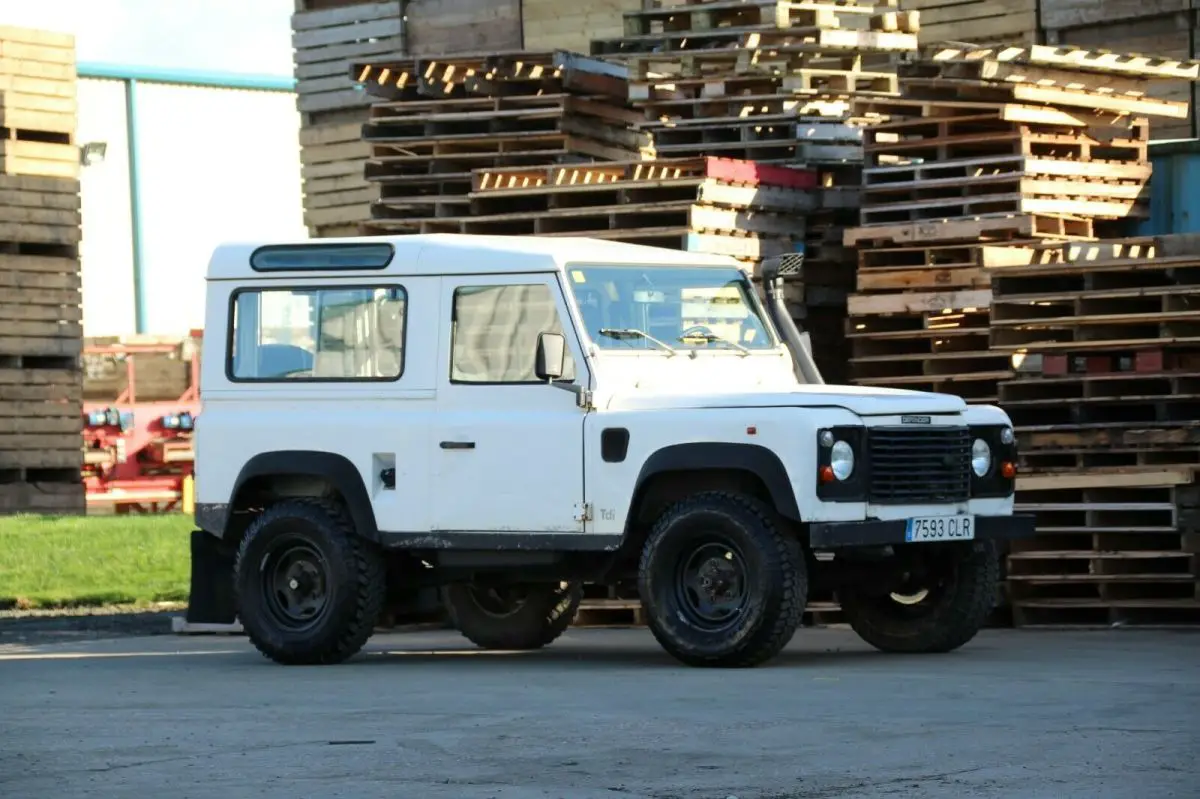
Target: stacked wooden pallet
987,145
771,81
715,205
1166,28
437,120
326,37
40,313
1107,407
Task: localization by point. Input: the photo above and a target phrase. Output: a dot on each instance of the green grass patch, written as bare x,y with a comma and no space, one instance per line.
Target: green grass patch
90,561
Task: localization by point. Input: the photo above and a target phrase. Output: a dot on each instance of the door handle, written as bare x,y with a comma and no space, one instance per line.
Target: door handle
458,445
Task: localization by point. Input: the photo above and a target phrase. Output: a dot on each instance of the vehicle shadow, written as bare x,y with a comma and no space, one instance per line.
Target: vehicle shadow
624,649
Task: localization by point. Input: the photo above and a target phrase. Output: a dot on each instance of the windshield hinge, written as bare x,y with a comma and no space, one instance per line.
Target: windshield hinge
583,511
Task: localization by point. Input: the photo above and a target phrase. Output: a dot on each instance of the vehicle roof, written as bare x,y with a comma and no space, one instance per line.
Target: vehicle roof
454,253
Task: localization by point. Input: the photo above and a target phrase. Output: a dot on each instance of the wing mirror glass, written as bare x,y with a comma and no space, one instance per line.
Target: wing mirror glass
551,356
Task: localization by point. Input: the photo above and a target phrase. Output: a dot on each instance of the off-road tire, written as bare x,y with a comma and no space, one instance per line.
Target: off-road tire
546,613
947,621
354,583
775,580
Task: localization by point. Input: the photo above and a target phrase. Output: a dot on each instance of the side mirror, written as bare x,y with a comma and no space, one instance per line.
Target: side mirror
551,356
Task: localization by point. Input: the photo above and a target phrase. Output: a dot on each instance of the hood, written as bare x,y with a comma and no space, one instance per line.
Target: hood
862,400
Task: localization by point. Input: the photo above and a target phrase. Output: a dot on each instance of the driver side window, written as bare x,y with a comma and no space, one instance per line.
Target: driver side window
494,333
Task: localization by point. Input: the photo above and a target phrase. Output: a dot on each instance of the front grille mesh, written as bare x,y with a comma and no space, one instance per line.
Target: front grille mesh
908,466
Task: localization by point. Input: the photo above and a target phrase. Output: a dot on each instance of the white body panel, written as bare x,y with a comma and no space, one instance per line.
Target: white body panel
536,454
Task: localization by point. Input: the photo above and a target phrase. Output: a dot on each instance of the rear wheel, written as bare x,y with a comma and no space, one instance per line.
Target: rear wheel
309,589
519,617
721,585
938,606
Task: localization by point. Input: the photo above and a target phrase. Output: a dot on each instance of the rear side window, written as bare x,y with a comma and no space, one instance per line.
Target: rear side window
317,334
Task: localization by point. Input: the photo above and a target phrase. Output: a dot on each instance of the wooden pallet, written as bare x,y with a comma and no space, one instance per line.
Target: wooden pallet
767,14
437,120
930,341
1069,448
1077,307
1114,546
1077,58
768,41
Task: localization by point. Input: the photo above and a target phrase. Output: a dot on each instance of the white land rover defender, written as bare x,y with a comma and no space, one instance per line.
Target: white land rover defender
503,419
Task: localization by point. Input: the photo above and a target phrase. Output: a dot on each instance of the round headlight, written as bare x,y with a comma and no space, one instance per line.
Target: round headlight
841,460
981,457
1006,436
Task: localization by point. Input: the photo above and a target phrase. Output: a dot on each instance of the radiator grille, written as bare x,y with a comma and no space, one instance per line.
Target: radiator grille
908,466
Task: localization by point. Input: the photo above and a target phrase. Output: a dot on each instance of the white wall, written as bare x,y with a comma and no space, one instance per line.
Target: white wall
214,164
106,250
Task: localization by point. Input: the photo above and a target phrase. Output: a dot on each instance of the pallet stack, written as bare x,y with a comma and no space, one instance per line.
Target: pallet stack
326,36
437,122
1107,407
771,81
40,315
715,205
985,146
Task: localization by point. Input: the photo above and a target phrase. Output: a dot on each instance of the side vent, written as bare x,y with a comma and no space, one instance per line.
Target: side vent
614,444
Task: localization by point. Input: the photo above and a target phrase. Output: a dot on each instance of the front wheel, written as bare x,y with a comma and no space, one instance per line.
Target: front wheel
515,617
721,584
938,608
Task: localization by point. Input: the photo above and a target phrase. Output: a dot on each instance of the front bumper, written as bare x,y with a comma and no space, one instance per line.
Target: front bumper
834,535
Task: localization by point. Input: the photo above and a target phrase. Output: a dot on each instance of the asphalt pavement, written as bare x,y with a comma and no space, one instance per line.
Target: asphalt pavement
605,714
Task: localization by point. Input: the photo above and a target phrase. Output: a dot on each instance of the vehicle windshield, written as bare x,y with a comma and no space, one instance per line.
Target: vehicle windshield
681,307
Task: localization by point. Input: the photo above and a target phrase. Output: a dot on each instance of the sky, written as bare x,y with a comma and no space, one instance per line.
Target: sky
247,36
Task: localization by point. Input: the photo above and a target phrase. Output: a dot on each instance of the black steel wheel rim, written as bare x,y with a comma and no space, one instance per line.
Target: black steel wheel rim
499,601
295,584
916,598
711,585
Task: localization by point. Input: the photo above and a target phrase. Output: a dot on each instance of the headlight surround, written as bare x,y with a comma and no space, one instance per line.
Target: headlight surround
996,478
981,458
841,460
841,470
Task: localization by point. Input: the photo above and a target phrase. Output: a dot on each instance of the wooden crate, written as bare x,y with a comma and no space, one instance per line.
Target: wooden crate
37,84
442,27
326,41
555,25
337,197
977,21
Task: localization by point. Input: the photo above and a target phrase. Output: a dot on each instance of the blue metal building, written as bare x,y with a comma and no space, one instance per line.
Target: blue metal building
189,159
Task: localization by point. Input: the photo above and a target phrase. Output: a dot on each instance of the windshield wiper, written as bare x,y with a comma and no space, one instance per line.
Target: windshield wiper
630,332
712,338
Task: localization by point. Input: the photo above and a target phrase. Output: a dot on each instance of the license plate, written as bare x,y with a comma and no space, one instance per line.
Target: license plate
940,528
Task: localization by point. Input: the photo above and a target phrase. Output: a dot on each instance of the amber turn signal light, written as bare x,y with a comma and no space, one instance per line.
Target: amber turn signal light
827,474
1008,470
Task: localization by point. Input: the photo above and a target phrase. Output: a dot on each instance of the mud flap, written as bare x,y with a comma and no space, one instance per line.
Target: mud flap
212,599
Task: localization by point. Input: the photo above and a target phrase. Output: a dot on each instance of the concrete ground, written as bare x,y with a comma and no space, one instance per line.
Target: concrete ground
604,713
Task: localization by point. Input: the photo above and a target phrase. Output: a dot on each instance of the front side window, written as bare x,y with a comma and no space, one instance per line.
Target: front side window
289,334
687,307
495,333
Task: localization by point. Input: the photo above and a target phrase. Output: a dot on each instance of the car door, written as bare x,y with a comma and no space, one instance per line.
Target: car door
507,448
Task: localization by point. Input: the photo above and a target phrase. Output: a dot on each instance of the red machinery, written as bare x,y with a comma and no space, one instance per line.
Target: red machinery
138,456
